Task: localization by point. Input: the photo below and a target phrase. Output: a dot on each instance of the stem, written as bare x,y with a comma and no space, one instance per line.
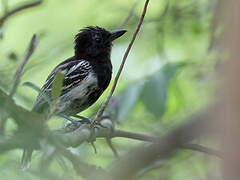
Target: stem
105,103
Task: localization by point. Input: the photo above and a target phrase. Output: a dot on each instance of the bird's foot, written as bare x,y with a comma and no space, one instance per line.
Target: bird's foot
87,120
73,121
84,120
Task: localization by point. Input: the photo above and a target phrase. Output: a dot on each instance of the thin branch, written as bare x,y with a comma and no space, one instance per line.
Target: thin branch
201,124
17,76
9,143
128,165
18,9
18,73
22,117
109,143
199,148
5,6
188,146
130,14
73,137
105,103
82,168
136,136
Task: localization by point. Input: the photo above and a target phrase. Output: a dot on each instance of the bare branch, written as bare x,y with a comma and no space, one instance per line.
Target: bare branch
188,146
130,14
109,143
105,103
82,168
161,146
18,9
199,148
18,73
73,137
9,143
17,76
136,136
22,117
142,156
5,6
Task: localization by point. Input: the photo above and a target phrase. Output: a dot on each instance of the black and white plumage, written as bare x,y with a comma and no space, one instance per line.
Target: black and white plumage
86,75
79,84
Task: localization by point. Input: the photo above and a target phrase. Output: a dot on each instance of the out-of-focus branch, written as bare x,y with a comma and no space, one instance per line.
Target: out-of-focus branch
110,145
9,143
31,47
142,156
203,149
188,146
129,15
18,9
106,101
82,168
229,111
17,76
22,117
4,6
72,136
136,136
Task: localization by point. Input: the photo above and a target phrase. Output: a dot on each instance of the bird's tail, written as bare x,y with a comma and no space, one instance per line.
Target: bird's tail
26,159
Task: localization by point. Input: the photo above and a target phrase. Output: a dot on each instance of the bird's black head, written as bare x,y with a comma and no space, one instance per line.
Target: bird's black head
91,42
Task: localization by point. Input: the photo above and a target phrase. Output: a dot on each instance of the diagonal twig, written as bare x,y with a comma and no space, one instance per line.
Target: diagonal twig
5,6
203,149
130,14
154,139
17,76
109,143
106,101
18,9
128,165
18,73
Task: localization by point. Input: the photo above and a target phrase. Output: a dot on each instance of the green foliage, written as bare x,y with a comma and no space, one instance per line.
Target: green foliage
154,95
152,91
57,85
128,98
36,88
169,74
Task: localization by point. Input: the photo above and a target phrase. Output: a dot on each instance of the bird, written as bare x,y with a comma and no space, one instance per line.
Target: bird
86,75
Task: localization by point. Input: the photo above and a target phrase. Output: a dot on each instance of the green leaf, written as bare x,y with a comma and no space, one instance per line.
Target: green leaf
121,105
128,99
36,88
154,94
57,85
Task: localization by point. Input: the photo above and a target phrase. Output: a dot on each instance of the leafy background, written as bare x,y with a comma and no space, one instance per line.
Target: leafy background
169,75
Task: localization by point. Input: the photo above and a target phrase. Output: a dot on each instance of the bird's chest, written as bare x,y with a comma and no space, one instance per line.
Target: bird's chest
103,73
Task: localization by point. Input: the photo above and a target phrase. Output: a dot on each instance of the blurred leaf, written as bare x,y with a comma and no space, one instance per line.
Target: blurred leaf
57,85
33,86
154,94
128,98
36,88
12,56
155,165
48,153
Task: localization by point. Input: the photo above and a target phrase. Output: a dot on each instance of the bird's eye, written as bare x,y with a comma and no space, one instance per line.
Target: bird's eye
98,40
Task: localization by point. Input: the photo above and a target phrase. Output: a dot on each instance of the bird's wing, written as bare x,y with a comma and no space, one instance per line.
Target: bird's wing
74,72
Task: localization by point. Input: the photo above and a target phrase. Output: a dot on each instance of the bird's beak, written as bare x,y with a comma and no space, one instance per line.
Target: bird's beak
116,34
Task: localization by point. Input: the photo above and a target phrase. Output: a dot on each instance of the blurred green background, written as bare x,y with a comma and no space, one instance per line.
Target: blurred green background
170,74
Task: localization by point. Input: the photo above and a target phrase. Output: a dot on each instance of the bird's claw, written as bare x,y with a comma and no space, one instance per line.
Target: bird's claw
84,120
73,121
